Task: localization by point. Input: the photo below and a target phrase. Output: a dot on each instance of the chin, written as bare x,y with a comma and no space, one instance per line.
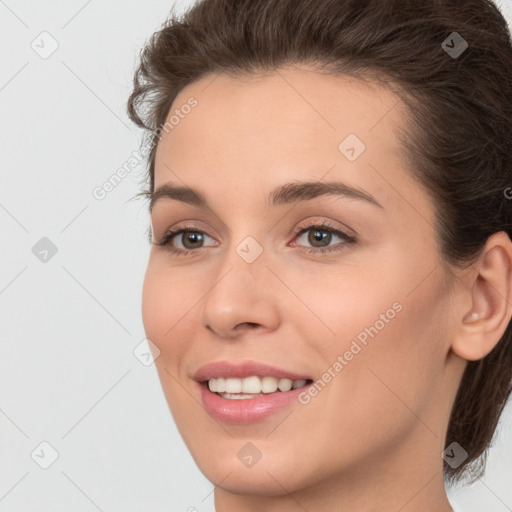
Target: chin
270,476
249,481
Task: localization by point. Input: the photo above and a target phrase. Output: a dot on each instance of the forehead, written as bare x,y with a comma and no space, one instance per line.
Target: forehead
249,133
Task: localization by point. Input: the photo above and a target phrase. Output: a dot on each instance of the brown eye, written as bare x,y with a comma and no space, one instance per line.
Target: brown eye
190,238
194,238
321,235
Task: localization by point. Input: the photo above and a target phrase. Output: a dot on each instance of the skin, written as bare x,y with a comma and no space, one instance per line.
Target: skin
372,439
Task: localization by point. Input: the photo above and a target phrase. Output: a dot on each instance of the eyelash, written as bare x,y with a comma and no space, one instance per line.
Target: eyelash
319,226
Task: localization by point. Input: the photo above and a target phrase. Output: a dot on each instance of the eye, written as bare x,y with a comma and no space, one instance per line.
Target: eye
189,235
321,233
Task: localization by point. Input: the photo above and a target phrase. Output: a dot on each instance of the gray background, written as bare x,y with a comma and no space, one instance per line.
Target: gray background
69,325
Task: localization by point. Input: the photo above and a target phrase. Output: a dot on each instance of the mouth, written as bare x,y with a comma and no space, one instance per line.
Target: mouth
244,408
244,392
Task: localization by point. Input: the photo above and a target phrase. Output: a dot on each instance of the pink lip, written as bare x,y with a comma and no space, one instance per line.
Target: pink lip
249,410
242,370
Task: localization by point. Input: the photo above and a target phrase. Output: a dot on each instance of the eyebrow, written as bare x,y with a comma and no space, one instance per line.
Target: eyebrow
283,194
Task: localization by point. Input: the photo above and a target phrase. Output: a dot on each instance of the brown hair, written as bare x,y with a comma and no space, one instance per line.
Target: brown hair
458,144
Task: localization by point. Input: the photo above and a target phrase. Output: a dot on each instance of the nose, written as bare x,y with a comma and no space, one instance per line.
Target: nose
242,299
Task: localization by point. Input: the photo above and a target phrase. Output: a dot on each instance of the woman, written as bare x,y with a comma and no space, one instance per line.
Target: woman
329,289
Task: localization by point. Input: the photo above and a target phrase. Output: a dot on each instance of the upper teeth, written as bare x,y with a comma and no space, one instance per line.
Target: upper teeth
253,384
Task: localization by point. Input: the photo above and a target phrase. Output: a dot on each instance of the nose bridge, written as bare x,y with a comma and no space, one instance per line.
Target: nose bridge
246,247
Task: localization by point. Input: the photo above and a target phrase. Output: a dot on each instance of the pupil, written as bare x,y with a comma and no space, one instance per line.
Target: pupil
319,237
193,236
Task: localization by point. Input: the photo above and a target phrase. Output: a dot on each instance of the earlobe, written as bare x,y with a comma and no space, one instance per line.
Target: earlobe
482,327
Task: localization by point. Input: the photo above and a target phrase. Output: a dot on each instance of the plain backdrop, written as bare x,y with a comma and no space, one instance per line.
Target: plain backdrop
77,394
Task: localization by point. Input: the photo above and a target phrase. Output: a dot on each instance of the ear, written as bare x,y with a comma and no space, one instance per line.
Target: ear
489,284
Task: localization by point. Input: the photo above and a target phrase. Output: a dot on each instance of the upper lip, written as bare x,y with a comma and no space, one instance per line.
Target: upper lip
243,369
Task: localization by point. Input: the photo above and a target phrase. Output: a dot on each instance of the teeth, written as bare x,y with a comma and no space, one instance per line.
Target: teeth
238,396
233,386
269,384
298,383
253,385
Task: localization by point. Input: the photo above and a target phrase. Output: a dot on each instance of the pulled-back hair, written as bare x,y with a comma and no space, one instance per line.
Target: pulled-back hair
458,142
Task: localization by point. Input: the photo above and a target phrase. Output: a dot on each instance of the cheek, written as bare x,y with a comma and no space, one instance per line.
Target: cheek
344,306
167,307
154,304
391,341
168,304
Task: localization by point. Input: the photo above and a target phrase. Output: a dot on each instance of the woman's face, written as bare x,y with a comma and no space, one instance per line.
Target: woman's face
367,319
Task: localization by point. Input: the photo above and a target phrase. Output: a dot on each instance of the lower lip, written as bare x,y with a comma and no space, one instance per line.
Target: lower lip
249,410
